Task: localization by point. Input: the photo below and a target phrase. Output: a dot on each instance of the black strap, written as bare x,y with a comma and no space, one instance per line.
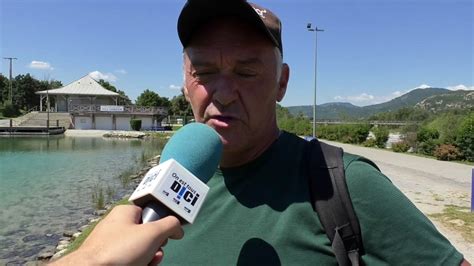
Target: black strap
332,202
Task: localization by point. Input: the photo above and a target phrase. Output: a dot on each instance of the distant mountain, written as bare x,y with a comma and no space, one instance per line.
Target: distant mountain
328,110
338,110
451,100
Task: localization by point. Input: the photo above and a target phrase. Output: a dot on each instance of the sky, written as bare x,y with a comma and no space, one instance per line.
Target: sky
370,51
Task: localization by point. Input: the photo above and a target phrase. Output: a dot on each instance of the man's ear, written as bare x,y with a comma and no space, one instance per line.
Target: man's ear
283,82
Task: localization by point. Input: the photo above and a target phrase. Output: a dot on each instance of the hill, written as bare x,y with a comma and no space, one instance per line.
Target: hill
450,100
338,110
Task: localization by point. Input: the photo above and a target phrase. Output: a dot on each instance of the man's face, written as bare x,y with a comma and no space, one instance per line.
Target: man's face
232,81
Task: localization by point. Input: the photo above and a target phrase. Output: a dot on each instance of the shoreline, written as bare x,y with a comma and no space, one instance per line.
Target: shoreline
68,237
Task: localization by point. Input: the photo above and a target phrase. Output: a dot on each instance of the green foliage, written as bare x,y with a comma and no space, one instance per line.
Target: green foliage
447,124
446,152
403,114
136,124
381,136
299,125
98,198
369,143
24,88
350,133
465,138
427,140
401,146
4,87
152,99
179,106
10,110
426,133
427,147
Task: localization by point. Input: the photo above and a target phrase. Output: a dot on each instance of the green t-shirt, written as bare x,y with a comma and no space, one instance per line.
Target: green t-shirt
260,214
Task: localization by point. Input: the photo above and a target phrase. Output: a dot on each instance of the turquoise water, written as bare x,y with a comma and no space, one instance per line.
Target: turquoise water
46,186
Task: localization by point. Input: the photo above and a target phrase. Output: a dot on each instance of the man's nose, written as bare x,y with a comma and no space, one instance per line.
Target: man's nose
225,90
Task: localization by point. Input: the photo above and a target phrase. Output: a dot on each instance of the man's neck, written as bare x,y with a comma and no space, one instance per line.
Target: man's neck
238,158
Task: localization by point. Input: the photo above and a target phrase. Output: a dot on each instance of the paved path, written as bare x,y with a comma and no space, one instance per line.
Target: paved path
429,183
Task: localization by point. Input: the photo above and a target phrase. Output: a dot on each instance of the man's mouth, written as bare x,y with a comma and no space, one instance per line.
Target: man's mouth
221,120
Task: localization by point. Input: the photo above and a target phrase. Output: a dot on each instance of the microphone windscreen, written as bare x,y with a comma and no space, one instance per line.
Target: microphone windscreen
197,147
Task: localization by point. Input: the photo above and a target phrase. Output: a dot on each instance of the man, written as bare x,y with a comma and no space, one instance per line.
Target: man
258,209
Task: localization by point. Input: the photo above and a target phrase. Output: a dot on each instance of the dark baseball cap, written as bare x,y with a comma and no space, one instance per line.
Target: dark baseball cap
197,12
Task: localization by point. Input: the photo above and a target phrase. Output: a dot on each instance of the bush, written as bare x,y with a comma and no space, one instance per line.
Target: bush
369,143
10,110
427,147
381,136
401,146
425,134
354,134
136,124
446,152
465,138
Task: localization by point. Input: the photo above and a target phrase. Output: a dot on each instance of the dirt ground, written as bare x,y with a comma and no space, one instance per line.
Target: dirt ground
430,184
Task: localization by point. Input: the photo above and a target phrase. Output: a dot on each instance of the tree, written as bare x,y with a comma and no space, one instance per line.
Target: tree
180,106
465,138
123,100
151,98
381,136
24,88
4,87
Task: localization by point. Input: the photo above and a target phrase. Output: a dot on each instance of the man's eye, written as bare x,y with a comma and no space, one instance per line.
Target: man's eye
246,74
202,74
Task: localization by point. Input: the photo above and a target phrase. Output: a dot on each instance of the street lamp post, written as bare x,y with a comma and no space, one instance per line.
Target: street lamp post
10,93
315,30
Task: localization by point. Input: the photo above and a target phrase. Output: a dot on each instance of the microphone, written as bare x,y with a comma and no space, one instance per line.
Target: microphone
177,184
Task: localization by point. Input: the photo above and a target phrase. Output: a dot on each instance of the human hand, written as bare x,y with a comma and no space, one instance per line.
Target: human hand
119,239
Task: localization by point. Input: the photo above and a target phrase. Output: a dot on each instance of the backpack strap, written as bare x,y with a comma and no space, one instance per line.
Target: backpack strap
331,200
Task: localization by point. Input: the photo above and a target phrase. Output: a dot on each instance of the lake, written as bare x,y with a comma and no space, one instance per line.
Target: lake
47,183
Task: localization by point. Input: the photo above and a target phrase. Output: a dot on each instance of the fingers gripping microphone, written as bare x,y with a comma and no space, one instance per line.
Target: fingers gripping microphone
177,184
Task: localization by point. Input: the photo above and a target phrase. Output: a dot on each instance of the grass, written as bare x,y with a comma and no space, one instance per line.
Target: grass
98,197
80,239
126,177
458,218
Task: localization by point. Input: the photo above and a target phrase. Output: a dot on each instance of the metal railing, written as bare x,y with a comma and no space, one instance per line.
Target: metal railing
127,109
374,122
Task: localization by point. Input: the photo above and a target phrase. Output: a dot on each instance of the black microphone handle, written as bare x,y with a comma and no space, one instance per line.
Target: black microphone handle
154,211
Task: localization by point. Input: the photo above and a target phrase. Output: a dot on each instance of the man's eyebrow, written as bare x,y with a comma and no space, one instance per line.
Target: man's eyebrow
201,63
250,61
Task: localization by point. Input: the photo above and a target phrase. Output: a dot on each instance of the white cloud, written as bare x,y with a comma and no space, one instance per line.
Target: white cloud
422,86
97,75
396,94
174,87
460,87
40,65
121,71
368,99
361,99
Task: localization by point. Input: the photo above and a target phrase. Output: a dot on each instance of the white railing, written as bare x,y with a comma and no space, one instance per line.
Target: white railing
128,109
